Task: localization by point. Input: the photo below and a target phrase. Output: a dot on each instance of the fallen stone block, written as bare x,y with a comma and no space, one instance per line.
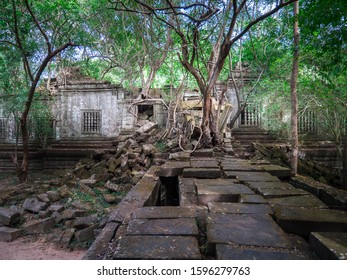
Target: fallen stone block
146,128
329,245
303,221
158,248
84,222
8,234
53,196
69,214
8,216
34,205
39,226
56,208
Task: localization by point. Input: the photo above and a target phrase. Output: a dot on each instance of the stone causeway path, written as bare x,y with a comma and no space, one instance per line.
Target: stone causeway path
221,207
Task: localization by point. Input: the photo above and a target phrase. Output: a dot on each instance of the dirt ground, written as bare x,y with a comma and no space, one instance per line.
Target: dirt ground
29,248
33,247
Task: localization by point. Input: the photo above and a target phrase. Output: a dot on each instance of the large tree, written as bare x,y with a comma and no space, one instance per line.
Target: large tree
35,32
196,22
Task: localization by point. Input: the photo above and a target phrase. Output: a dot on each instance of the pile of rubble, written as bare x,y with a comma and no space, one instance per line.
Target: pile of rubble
72,210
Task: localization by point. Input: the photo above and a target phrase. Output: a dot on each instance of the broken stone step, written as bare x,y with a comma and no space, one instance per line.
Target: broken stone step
302,221
238,208
329,245
251,230
8,234
34,205
158,248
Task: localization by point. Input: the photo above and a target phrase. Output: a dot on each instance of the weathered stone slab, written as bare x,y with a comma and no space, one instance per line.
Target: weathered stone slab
252,199
276,170
8,234
34,205
270,185
278,193
179,226
306,201
239,208
307,184
99,247
229,252
204,163
208,173
252,176
168,212
252,230
238,166
304,221
329,245
158,248
219,191
39,226
8,216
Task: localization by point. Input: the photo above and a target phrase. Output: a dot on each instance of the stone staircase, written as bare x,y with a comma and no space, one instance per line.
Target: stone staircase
246,135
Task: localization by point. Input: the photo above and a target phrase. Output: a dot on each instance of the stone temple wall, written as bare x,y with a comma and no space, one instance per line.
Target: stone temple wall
90,109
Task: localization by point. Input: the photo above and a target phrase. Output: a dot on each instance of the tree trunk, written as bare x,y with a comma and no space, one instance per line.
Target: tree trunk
294,97
206,119
344,160
23,171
